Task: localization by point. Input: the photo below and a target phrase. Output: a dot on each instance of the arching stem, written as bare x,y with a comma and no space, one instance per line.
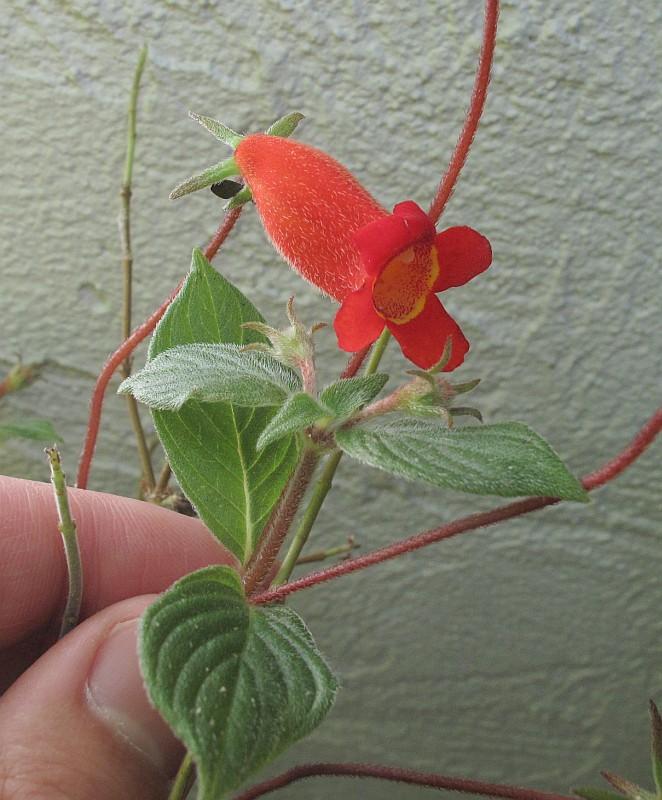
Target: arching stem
478,96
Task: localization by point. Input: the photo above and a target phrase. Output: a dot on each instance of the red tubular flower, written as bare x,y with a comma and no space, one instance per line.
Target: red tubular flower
384,268
405,263
311,207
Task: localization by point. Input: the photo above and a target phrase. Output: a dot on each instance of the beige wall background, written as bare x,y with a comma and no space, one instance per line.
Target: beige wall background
526,653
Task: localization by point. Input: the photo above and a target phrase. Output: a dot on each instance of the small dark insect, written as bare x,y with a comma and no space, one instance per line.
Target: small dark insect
226,189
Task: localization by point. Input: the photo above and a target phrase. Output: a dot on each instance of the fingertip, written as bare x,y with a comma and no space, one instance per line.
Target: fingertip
85,703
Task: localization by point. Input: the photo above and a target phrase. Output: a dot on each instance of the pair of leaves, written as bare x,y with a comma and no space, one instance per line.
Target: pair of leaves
212,373
237,683
336,403
211,446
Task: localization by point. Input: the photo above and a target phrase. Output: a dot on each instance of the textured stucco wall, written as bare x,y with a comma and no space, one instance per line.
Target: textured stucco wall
526,653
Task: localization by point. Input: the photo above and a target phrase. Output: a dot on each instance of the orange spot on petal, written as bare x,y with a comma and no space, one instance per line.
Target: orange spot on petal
401,290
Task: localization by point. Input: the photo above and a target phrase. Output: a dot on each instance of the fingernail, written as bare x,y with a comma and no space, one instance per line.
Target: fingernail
116,694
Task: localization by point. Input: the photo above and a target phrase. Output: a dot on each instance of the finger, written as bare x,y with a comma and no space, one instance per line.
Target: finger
78,724
128,547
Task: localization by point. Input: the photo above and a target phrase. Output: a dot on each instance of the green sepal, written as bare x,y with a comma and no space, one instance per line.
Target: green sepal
243,196
224,169
218,129
465,411
285,126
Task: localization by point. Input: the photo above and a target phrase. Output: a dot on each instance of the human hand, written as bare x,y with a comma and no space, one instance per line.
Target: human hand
77,724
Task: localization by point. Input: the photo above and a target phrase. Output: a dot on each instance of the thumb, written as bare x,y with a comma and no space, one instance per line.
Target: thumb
78,724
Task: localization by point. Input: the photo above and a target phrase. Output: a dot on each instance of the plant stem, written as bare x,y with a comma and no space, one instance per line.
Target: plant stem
280,520
323,486
399,775
161,488
478,96
355,363
592,481
67,528
183,780
377,352
127,347
133,102
127,273
322,555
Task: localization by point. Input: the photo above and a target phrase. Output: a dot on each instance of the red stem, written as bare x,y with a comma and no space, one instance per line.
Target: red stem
280,522
428,779
125,350
591,481
354,363
481,82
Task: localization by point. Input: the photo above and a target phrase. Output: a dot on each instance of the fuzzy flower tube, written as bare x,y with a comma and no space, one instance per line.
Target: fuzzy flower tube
311,207
385,269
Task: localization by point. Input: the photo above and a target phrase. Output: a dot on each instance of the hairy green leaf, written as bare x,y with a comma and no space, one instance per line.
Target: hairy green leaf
39,430
211,373
347,395
507,459
237,683
299,411
212,446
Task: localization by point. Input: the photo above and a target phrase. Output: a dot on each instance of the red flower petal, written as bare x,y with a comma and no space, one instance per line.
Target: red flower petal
463,254
382,240
423,339
357,324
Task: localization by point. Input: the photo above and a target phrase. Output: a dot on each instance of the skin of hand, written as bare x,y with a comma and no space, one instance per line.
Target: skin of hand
75,721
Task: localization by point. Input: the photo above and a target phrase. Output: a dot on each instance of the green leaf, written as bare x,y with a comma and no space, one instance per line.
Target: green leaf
656,746
299,411
212,373
39,430
589,793
237,683
508,459
212,446
348,395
